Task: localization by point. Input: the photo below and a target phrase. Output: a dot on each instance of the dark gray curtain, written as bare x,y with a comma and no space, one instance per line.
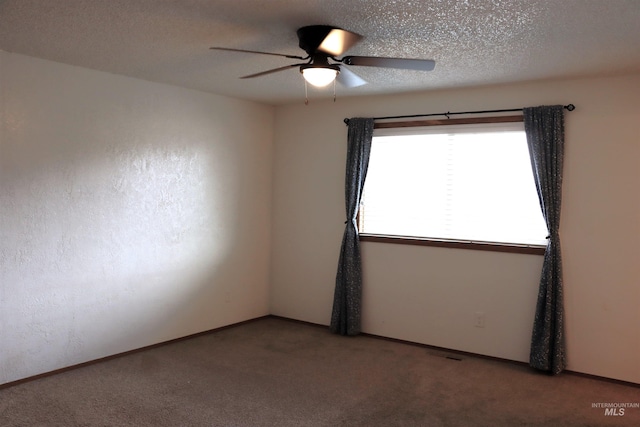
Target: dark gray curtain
544,127
347,299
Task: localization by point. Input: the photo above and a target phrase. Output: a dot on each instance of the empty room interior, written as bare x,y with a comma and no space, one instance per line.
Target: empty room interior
149,193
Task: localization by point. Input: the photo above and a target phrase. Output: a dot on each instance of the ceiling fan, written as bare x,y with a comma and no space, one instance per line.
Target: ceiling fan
323,44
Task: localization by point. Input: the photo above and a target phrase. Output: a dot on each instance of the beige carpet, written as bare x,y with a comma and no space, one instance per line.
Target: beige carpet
274,372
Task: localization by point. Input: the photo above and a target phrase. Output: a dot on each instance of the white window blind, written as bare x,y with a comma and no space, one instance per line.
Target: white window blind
462,182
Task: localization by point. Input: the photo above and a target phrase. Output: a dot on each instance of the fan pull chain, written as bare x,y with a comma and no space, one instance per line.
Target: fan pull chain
306,95
334,90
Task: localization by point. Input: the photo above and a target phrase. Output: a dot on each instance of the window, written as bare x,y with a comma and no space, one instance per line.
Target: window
468,183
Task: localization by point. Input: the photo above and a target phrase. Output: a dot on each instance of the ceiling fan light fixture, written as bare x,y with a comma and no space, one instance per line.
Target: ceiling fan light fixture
323,43
319,76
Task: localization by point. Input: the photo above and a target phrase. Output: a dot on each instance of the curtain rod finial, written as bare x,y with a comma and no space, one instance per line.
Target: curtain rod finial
346,122
570,107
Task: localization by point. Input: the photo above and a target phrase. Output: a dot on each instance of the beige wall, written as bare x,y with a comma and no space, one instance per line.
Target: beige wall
429,295
131,213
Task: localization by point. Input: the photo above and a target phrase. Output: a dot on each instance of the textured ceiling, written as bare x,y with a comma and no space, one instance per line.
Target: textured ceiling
473,42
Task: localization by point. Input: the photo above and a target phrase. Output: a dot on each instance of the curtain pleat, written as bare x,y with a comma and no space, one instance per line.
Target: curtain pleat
347,301
544,127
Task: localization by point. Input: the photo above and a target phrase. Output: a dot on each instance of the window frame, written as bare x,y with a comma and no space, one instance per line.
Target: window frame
450,243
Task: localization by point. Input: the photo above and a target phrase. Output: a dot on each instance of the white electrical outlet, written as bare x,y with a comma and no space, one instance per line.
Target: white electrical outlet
479,319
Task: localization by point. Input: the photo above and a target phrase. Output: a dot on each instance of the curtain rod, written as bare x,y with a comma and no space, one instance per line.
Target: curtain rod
569,107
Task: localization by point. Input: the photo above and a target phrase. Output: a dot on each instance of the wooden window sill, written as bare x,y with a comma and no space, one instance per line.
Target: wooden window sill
454,244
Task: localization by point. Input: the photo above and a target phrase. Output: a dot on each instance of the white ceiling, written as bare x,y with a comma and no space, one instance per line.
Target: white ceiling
474,42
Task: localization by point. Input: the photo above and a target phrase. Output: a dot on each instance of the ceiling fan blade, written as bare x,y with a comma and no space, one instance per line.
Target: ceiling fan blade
348,78
338,41
400,63
255,51
275,70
